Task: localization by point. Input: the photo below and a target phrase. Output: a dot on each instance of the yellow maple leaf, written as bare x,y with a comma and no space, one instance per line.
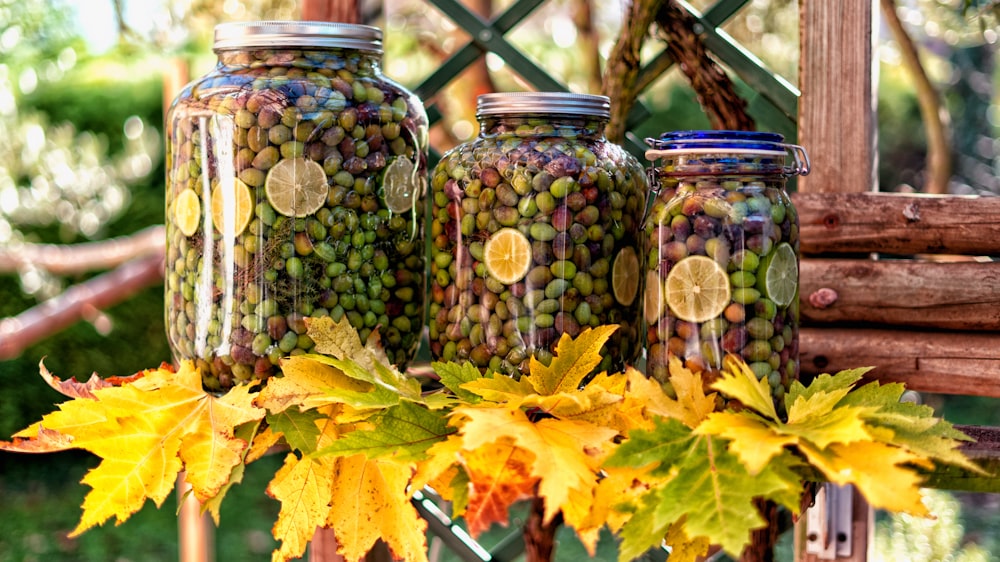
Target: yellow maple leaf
682,547
575,358
572,449
305,383
590,511
499,476
739,381
368,502
441,457
755,443
340,339
692,405
593,404
143,430
303,486
877,469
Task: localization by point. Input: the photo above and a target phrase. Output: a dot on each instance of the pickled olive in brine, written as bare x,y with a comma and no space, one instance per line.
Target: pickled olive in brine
535,232
295,189
721,254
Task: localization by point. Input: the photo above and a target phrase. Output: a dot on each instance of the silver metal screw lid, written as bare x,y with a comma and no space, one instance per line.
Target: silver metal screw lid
535,103
267,34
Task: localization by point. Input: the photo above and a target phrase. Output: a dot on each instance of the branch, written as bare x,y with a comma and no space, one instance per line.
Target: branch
933,112
621,74
715,90
67,259
77,303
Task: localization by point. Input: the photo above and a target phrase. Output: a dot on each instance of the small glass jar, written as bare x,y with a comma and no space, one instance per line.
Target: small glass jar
294,189
722,254
535,233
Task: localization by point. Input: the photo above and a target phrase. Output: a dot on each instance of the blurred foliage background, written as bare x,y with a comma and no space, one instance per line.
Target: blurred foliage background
81,109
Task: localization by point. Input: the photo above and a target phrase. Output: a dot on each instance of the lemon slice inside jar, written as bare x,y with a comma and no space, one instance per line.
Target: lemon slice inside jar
296,187
653,301
697,289
399,185
240,200
625,276
187,211
507,255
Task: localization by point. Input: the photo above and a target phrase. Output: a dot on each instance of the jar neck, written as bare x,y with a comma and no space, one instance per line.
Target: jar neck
519,125
355,61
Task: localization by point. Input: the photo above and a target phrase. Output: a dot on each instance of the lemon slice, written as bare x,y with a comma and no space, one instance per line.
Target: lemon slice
697,289
399,185
780,278
507,255
187,211
625,276
653,297
296,187
238,199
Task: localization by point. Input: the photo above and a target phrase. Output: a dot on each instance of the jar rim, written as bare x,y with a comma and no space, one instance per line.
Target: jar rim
315,34
530,103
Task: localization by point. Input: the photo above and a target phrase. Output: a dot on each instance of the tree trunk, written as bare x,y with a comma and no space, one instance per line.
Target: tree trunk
539,537
933,112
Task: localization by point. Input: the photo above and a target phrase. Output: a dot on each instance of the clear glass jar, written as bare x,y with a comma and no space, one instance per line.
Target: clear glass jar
295,188
722,254
535,232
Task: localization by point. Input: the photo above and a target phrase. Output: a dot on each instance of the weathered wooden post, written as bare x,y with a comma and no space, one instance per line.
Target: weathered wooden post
837,123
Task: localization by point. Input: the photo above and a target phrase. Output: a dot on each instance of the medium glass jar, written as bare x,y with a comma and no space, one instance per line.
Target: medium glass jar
722,254
535,233
295,188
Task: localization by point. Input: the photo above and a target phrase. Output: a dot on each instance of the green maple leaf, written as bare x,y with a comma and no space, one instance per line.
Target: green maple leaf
454,375
298,427
406,430
706,484
912,426
842,381
574,359
666,443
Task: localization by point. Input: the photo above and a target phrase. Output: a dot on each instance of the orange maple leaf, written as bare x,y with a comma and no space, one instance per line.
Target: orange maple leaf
499,476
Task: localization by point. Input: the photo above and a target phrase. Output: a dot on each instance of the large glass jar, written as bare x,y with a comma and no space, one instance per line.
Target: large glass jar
534,234
294,190
722,254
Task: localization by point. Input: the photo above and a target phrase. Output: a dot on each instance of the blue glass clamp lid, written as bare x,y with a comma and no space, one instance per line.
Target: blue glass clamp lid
735,142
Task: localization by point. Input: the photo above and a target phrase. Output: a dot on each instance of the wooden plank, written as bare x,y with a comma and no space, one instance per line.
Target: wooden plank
837,123
897,223
947,295
965,363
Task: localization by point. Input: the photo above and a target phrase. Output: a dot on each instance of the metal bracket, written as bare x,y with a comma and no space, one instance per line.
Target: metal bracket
828,523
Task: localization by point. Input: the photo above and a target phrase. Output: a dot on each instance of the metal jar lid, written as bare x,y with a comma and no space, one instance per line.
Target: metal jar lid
748,143
535,103
316,34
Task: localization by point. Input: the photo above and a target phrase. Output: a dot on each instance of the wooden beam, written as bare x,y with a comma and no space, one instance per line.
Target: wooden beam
965,363
837,123
916,293
897,224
